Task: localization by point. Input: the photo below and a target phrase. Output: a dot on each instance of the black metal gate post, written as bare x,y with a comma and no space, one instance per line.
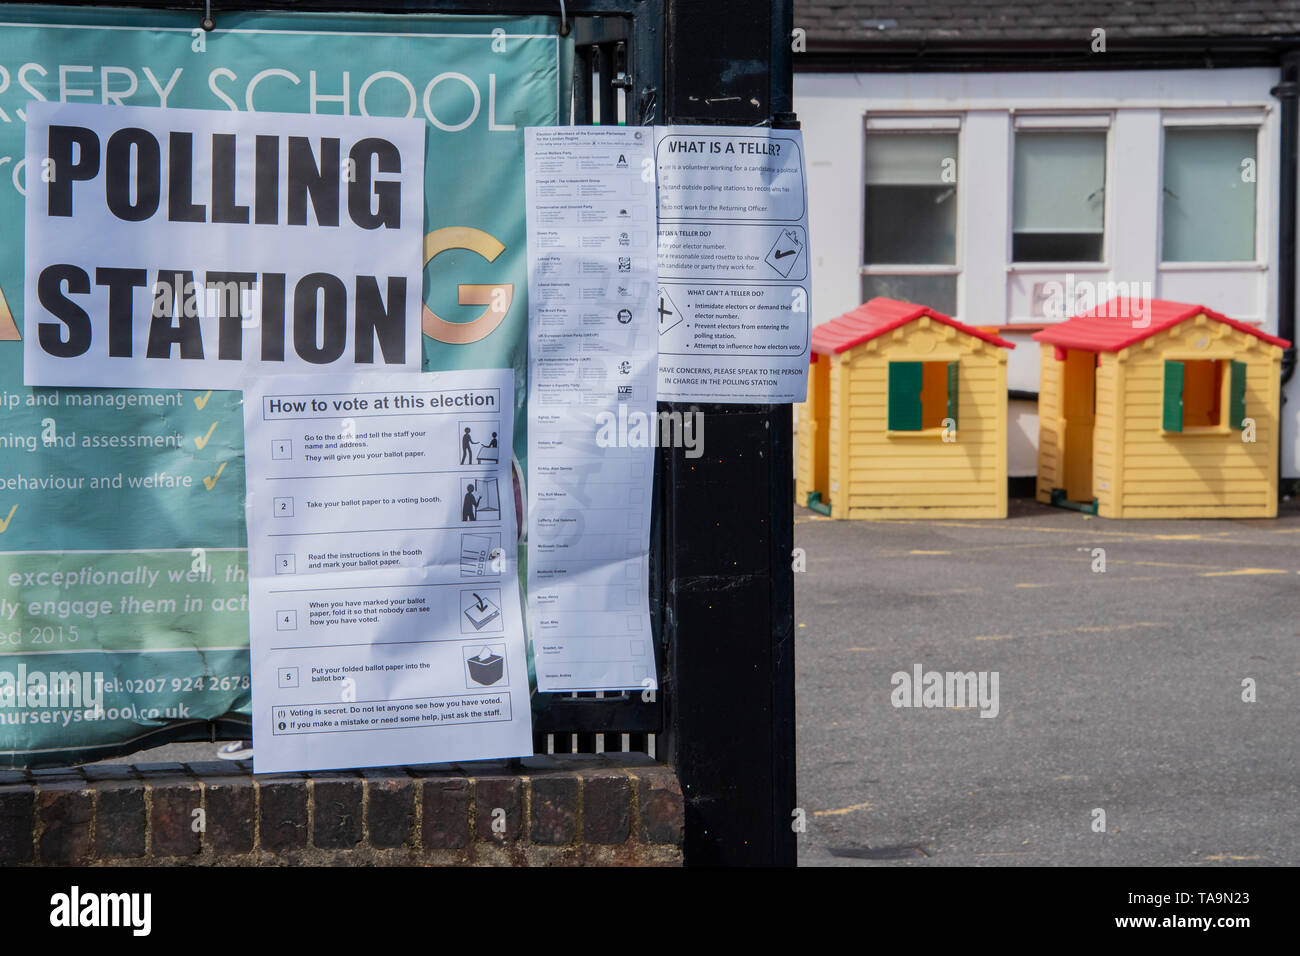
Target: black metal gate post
728,523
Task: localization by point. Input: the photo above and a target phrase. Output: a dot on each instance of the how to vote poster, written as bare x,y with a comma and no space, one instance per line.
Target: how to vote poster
123,576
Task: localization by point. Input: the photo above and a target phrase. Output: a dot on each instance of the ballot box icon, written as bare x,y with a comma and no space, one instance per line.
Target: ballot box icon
486,667
480,611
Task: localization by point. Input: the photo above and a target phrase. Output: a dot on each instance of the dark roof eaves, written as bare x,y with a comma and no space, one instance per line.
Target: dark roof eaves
1042,54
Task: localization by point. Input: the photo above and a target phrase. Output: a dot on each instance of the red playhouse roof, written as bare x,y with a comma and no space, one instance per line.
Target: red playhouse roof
878,316
1104,329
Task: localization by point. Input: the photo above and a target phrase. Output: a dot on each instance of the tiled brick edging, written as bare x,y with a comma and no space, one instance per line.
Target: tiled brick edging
570,809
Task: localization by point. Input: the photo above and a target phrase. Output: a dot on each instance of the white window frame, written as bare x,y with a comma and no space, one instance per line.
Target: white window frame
1226,118
910,122
1080,121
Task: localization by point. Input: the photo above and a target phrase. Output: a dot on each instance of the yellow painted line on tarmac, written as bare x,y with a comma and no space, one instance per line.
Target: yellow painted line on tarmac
1242,571
842,810
1107,628
1218,537
1090,530
1031,584
1208,570
1084,629
1005,547
929,552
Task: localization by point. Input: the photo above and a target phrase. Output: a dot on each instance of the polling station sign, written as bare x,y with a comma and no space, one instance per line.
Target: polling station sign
123,571
188,248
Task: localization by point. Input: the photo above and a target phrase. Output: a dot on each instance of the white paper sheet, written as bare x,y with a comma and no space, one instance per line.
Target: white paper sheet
591,400
187,248
733,294
383,591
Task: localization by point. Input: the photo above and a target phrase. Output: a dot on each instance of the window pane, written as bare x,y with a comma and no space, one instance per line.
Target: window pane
910,159
1059,197
938,292
1209,211
911,212
1056,246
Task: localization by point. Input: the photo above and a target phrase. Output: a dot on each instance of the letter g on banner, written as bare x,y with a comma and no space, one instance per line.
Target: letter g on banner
487,246
8,328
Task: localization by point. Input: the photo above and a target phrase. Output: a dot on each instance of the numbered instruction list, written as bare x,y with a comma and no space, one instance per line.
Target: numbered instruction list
591,399
383,593
733,265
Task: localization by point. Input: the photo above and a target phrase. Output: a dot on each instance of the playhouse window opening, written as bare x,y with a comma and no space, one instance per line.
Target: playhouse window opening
1202,391
934,394
922,396
1204,395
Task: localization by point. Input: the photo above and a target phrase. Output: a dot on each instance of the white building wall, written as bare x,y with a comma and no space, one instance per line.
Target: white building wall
991,290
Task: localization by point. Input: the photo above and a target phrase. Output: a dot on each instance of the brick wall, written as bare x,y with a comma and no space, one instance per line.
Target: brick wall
570,809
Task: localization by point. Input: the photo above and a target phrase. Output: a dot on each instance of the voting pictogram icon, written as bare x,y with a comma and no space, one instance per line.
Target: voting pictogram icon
669,315
785,252
484,665
480,611
481,500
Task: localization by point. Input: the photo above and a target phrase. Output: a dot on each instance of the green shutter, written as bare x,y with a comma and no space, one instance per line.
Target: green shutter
905,380
952,392
1173,413
1237,395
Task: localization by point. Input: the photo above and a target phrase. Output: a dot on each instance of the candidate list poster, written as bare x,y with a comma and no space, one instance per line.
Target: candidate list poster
592,405
122,526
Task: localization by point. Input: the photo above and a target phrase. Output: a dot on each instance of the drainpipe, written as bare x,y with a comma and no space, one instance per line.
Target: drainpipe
1288,92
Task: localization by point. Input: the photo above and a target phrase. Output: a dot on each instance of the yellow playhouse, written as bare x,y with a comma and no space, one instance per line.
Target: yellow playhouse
906,417
1170,414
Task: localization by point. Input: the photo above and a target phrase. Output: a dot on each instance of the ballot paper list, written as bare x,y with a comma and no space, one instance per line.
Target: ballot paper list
384,607
593,359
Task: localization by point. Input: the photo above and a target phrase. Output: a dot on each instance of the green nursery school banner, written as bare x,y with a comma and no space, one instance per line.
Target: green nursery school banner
123,588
